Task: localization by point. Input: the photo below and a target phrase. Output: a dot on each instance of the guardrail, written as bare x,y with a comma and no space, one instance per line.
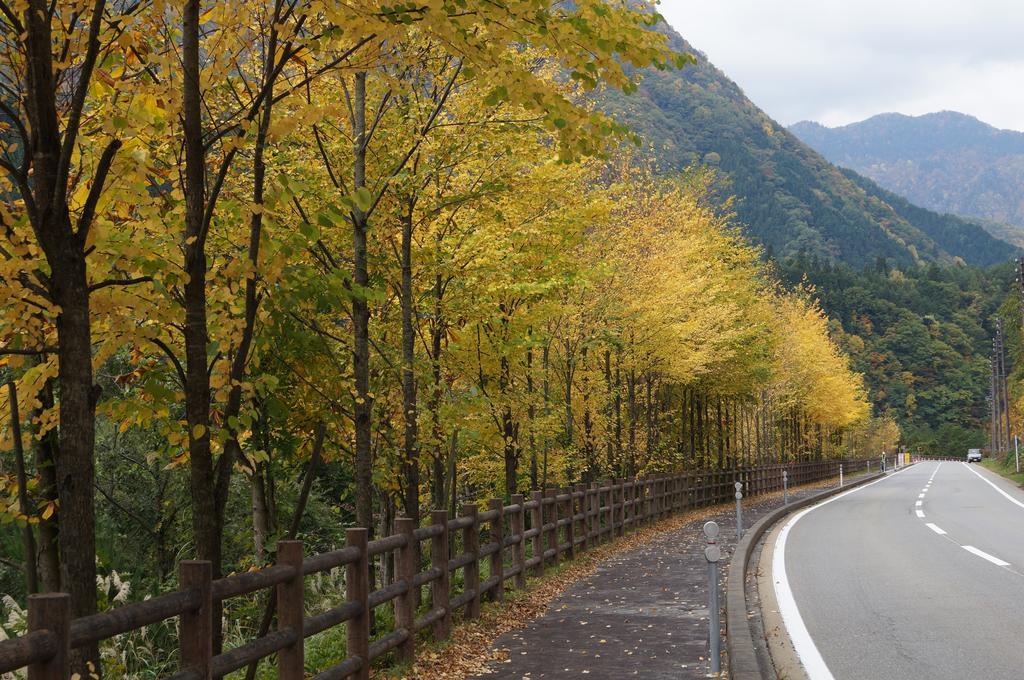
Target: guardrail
492,548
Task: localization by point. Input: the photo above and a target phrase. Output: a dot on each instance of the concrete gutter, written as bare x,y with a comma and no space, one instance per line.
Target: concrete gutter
743,663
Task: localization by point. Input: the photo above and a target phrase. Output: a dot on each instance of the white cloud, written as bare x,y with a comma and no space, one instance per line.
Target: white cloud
839,61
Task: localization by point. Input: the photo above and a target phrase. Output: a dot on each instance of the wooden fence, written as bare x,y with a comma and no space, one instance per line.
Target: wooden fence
493,547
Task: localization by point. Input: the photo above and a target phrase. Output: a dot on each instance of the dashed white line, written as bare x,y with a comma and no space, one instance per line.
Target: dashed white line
936,529
920,514
920,495
985,556
918,504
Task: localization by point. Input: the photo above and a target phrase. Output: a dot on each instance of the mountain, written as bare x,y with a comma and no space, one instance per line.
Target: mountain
788,196
947,161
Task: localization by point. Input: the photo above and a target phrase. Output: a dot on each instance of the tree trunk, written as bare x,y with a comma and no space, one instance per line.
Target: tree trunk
440,456
609,412
589,450
509,430
75,464
631,409
205,527
618,412
547,412
569,371
531,415
28,535
410,458
260,513
240,359
363,403
46,467
65,251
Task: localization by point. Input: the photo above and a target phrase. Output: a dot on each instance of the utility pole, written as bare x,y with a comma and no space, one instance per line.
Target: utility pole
1002,386
992,404
997,437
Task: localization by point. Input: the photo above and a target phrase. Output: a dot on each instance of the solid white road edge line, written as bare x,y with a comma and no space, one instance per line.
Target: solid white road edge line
1006,495
934,528
803,644
985,556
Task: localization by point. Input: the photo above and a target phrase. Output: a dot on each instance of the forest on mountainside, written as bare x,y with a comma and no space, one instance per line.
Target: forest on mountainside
788,197
945,161
921,336
942,279
352,275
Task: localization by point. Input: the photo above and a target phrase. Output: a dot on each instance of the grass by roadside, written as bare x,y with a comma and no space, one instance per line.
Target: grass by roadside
1006,468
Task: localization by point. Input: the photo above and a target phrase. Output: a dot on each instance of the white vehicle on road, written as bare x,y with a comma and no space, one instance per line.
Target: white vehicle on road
973,455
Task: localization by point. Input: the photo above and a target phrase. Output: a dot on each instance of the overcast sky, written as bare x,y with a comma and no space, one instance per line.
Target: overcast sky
840,61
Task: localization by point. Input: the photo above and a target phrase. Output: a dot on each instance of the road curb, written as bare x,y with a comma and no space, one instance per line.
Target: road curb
739,643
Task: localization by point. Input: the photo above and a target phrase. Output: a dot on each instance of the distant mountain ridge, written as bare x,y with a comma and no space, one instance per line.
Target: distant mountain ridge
789,197
946,161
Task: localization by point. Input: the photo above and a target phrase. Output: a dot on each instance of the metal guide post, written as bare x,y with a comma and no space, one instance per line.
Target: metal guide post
739,510
712,553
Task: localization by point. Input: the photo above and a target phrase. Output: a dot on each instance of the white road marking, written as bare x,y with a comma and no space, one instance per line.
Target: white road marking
985,556
918,504
1005,495
803,644
919,514
934,528
920,495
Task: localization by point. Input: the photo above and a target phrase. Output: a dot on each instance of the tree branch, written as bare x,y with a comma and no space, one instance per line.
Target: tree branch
170,355
77,104
120,282
100,178
8,351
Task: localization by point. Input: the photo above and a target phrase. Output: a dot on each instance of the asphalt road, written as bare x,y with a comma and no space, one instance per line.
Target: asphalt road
919,575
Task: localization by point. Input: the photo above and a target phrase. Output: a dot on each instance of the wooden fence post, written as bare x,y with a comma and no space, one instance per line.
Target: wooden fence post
648,495
594,514
619,515
195,628
627,504
570,528
498,557
357,589
580,491
471,573
52,612
537,522
609,513
659,495
518,526
407,564
291,611
552,495
440,593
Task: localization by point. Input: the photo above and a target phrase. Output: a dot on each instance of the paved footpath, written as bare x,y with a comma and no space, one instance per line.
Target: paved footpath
643,613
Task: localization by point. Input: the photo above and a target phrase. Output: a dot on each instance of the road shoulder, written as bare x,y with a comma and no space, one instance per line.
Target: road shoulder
769,627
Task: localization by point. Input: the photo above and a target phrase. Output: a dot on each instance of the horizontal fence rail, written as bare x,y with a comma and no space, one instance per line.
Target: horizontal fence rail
494,549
